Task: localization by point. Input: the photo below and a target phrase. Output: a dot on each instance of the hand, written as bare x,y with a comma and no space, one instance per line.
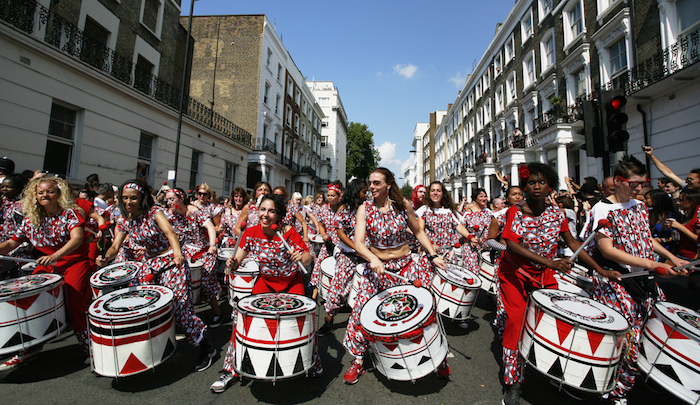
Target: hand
610,274
667,272
139,251
178,260
212,250
561,265
306,239
672,223
232,263
100,261
440,262
46,260
377,266
295,255
648,150
679,262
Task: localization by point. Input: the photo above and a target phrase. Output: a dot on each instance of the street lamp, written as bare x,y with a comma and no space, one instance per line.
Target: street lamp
182,95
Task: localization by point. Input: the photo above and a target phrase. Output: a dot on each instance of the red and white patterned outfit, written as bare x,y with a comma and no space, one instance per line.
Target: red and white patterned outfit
51,235
144,231
477,223
346,260
291,219
211,208
253,215
278,273
11,218
383,230
325,215
630,233
194,239
228,222
539,235
440,226
500,321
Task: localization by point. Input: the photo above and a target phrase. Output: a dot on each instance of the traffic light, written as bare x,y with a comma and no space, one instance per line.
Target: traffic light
595,143
615,119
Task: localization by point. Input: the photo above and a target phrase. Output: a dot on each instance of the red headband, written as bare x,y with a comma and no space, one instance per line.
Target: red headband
178,193
334,187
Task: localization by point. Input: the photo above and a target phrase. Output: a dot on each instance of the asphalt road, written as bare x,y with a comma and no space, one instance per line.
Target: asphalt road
58,375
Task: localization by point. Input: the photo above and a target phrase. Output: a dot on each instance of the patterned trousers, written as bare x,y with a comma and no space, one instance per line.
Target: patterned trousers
342,282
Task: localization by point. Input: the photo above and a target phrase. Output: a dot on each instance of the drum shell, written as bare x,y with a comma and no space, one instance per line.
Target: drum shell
241,281
100,287
223,255
454,299
31,317
569,352
131,343
196,269
357,278
487,273
27,269
328,268
669,353
274,346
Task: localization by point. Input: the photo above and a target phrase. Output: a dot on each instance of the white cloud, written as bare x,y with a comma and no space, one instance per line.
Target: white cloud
387,156
458,80
406,71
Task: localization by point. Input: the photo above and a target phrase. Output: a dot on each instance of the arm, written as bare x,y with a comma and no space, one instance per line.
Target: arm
493,229
520,250
344,237
682,228
8,246
211,232
587,259
167,229
375,264
610,252
662,167
241,219
112,251
304,226
76,239
421,236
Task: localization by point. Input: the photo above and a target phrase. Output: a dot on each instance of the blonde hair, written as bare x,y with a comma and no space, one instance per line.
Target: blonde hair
308,200
296,196
30,203
205,186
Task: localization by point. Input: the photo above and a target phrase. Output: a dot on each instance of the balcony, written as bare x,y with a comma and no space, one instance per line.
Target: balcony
265,145
42,24
307,170
558,115
521,142
483,158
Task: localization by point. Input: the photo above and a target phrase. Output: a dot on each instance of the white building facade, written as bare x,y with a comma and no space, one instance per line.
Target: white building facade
334,130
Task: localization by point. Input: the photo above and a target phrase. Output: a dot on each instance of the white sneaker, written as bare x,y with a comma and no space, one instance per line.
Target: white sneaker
225,380
21,358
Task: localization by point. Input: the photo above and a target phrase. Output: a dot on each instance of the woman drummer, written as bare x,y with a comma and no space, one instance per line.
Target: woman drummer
249,214
53,224
147,226
326,215
477,219
531,232
204,196
382,224
230,217
197,234
279,271
11,218
627,246
346,258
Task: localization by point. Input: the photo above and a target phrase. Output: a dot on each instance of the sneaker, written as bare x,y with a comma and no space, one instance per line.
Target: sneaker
354,372
206,355
225,380
21,358
463,324
325,329
216,321
512,396
443,370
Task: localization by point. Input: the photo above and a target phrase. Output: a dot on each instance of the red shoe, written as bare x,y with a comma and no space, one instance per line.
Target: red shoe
354,372
443,370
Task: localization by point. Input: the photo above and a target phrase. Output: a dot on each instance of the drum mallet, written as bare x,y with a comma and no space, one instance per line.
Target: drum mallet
275,228
662,271
17,259
603,223
416,283
235,248
104,228
150,277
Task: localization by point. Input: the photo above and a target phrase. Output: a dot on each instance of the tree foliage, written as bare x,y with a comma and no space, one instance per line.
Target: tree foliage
363,156
406,190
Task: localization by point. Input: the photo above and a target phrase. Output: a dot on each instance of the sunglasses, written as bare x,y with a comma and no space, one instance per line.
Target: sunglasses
635,184
206,194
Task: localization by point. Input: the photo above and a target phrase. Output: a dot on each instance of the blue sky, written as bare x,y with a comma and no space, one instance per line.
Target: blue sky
394,62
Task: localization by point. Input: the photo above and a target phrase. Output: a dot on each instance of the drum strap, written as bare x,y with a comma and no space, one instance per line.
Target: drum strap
418,331
522,272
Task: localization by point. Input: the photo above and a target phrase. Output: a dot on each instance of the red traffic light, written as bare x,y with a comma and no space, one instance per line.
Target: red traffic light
618,102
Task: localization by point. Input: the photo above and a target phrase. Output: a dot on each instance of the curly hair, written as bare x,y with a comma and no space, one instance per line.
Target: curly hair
30,203
446,200
280,205
394,193
547,172
242,192
351,197
146,201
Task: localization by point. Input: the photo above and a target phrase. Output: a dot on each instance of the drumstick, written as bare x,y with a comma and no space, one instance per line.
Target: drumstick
17,259
103,228
452,251
286,245
603,223
416,283
469,281
150,277
235,248
660,270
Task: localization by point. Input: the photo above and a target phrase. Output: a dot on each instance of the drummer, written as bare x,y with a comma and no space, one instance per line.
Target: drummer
249,214
11,217
53,225
326,215
346,258
438,218
204,195
230,217
147,226
477,219
197,234
279,271
531,232
382,224
627,246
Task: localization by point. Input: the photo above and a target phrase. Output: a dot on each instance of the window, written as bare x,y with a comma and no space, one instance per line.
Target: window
194,169
688,15
296,124
499,99
526,26
529,70
145,156
576,20
266,94
618,56
279,72
545,8
297,96
511,90
497,65
548,52
478,90
269,57
304,108
152,16
143,74
264,134
229,176
290,87
487,111
289,116
580,83
487,79
324,101
95,39
59,145
277,104
509,48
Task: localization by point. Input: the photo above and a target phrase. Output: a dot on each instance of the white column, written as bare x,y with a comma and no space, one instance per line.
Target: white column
487,185
469,190
542,155
514,175
583,163
263,169
562,164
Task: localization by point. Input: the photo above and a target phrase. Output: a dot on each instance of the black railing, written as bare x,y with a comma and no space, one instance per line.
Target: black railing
308,170
31,18
265,144
484,158
516,142
558,115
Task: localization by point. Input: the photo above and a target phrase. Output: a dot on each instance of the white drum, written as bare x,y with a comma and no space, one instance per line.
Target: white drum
131,330
669,350
223,255
357,278
27,269
404,334
317,238
32,311
196,269
113,277
566,285
327,274
275,336
455,291
487,273
241,281
579,276
574,340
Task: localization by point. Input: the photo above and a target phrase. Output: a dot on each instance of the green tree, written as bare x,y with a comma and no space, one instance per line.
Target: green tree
406,190
363,156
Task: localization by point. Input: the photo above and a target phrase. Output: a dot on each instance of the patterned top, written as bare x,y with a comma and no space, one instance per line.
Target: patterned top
190,229
440,225
478,223
228,222
270,253
144,231
629,231
347,221
538,234
325,215
90,223
10,218
306,212
290,218
211,208
386,229
52,232
253,215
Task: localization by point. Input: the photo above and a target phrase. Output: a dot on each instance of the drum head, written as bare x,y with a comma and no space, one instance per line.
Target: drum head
579,309
685,318
115,274
580,270
131,302
28,283
466,279
248,266
317,238
486,256
397,310
274,304
197,264
328,266
225,253
28,267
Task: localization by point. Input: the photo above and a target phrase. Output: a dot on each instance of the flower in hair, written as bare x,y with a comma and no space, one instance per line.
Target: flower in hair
523,172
